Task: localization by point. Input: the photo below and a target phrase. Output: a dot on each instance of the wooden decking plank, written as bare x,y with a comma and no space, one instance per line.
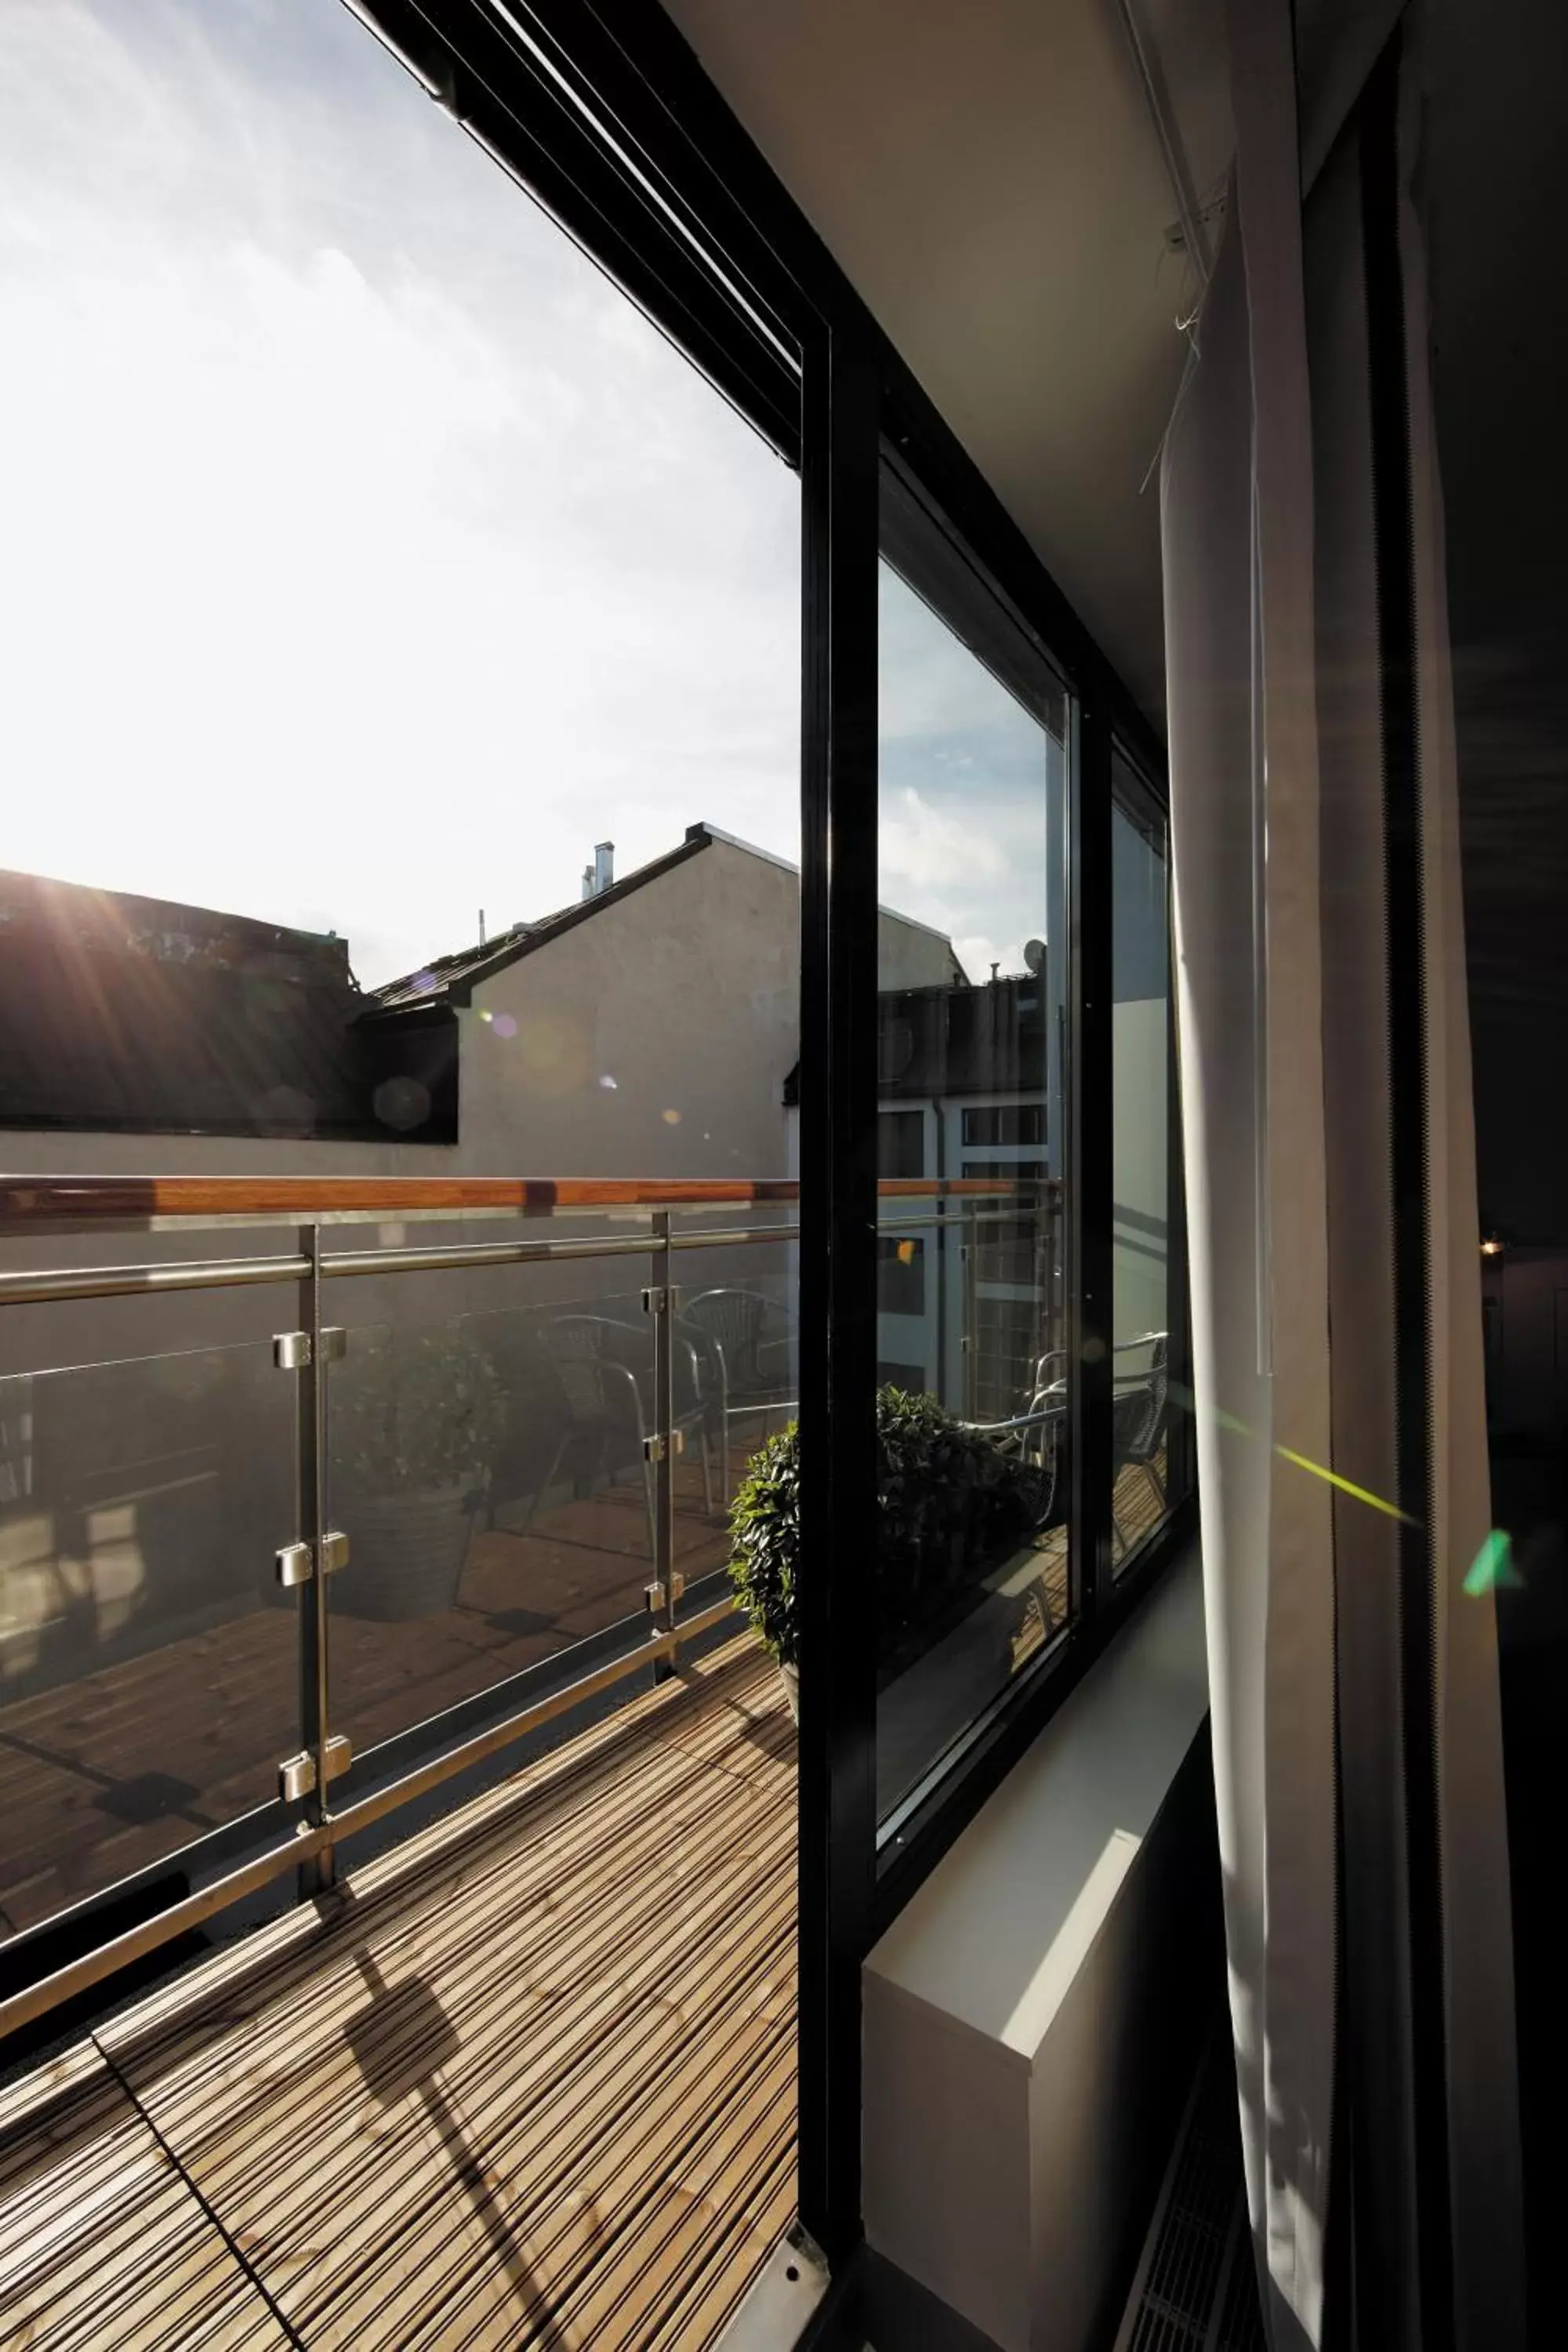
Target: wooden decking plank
759,2211
560,2124
270,2119
411,1926
103,2247
613,2312
561,2191
573,1967
597,1961
631,2156
588,2111
594,2006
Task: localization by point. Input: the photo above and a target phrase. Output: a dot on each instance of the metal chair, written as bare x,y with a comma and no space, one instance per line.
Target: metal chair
733,1324
602,1392
1037,1439
1139,1412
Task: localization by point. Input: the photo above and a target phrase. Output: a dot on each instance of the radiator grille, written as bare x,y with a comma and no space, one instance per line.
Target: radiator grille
1195,2289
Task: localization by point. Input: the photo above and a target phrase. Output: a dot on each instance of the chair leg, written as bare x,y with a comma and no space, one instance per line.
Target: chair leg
707,1471
548,1481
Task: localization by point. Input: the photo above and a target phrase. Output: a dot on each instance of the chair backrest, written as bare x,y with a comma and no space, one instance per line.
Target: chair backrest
577,1345
1138,1415
734,1321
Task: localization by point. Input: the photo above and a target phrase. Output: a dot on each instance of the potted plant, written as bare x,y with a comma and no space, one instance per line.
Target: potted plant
949,1501
416,1419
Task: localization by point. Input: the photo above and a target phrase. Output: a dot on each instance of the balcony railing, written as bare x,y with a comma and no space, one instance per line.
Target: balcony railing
313,1424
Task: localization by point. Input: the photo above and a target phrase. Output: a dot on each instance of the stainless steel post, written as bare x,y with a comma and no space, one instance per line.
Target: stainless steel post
314,1698
660,1300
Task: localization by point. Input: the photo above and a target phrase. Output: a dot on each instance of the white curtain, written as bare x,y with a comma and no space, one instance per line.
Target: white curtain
1333,1236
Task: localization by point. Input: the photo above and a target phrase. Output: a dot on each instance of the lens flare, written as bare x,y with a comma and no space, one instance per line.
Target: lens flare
1492,1569
1300,1461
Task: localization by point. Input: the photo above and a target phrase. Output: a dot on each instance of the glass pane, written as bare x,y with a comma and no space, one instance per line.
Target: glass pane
148,1673
973,1380
1142,1286
488,1463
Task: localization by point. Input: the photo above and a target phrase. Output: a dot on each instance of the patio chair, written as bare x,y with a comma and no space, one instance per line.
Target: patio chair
1037,1438
602,1394
1138,1426
753,1368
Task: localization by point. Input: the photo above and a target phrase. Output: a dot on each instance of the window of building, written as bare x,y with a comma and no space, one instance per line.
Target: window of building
1005,1124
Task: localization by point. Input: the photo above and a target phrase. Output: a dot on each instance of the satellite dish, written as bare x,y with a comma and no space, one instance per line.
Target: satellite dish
1035,956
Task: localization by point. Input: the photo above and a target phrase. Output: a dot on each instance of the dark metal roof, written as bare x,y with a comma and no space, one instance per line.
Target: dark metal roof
452,978
124,1013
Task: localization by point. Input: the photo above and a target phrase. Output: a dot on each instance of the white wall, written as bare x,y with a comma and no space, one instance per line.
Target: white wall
652,1039
1032,2016
1141,1240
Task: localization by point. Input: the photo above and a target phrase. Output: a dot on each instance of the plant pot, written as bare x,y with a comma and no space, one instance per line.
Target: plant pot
405,1553
790,1678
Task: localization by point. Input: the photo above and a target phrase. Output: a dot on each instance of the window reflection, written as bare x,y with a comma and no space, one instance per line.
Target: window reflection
971,1330
1141,1451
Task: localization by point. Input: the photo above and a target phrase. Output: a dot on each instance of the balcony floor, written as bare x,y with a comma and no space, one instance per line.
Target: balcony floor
527,2080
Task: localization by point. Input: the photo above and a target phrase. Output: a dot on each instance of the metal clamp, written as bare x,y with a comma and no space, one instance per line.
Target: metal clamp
661,1298
292,1349
656,1595
296,1565
664,1446
297,1774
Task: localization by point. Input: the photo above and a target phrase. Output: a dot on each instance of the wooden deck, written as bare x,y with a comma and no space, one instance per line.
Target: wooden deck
529,2080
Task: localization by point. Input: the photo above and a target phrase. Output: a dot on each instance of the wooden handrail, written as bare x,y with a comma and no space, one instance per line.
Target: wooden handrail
295,1200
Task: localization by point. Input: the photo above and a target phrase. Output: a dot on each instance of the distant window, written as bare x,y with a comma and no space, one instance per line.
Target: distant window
911,1377
901,1275
1005,1248
1005,1123
901,1143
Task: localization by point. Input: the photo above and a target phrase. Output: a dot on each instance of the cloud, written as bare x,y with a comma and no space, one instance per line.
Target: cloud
920,844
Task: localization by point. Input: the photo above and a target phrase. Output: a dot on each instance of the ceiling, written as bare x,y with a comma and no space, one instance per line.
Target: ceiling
988,176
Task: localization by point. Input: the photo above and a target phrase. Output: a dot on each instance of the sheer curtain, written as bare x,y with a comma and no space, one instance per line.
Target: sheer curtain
1333,1234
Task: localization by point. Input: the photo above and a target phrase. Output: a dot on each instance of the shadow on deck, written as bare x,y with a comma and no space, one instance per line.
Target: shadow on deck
527,2079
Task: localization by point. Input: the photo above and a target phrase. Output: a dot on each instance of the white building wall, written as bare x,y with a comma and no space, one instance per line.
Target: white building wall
1140,1241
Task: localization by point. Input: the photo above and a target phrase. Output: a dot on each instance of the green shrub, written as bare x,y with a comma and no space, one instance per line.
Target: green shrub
948,1502
414,1411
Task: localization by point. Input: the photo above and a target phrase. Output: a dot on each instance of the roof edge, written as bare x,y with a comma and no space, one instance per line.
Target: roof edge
460,991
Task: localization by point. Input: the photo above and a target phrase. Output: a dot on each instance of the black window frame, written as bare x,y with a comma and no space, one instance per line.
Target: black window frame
602,112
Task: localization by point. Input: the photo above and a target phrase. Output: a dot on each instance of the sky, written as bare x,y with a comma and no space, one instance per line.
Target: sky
365,557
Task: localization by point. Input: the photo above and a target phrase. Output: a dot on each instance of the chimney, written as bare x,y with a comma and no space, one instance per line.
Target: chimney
604,865
587,881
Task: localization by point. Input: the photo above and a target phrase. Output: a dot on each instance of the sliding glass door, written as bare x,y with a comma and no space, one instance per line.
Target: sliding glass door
973,1347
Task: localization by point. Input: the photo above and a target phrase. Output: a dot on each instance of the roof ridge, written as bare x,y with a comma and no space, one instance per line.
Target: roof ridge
452,978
